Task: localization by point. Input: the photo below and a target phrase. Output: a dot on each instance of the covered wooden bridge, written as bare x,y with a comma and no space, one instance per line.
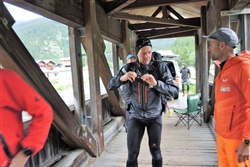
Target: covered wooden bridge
83,129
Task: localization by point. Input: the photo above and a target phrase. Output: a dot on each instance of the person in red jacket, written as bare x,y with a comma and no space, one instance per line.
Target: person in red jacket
232,97
17,96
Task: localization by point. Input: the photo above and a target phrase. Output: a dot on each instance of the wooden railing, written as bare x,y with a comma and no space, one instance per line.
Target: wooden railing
55,149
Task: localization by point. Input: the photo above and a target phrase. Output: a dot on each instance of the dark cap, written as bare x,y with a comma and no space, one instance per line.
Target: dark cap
130,56
141,43
226,35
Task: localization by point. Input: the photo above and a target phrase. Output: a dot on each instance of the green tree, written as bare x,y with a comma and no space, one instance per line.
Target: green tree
45,39
185,47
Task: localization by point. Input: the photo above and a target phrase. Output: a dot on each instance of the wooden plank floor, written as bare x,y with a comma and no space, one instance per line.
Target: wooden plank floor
180,147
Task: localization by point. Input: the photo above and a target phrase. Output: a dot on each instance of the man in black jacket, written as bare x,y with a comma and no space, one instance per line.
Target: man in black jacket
147,81
185,76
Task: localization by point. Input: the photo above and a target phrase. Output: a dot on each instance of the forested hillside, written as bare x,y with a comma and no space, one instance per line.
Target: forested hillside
185,47
182,46
46,39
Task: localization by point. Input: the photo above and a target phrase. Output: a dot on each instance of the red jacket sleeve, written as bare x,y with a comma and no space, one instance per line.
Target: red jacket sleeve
32,102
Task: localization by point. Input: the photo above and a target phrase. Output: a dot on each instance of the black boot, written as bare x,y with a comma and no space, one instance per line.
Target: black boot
157,163
132,164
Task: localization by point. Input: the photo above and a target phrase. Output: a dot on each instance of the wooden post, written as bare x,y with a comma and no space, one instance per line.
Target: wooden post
77,73
125,34
224,22
198,57
204,65
244,32
115,57
95,116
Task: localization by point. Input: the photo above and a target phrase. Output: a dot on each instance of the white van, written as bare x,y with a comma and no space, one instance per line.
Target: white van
171,60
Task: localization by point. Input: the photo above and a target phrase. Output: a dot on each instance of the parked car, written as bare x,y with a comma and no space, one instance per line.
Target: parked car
171,60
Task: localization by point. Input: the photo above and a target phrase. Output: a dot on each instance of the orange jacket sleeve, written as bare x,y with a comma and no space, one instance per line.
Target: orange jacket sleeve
245,89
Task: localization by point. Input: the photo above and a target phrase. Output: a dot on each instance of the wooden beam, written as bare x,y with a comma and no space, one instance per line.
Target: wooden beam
125,43
238,4
73,158
157,11
5,16
146,26
152,3
169,8
77,74
234,12
165,12
105,74
197,60
213,13
73,133
104,21
95,116
177,35
244,29
193,22
163,32
71,14
62,11
115,56
204,65
117,5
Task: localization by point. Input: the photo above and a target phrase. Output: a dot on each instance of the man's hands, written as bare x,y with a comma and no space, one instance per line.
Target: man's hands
149,79
128,76
243,153
132,75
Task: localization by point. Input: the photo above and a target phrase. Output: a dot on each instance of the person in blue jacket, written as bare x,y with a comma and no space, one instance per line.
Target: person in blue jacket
126,92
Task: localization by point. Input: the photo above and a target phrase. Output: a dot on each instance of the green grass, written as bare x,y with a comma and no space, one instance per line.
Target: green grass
60,86
192,88
63,87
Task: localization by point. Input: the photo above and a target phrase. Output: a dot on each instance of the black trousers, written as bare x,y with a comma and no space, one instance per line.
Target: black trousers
136,128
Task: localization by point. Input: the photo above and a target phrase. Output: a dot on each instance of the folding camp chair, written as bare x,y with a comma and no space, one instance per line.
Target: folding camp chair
191,113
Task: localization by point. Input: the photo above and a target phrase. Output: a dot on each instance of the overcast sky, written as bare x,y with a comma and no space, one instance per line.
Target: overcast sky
20,14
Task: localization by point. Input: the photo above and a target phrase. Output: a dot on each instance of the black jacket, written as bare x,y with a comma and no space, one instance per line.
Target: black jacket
146,101
126,95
